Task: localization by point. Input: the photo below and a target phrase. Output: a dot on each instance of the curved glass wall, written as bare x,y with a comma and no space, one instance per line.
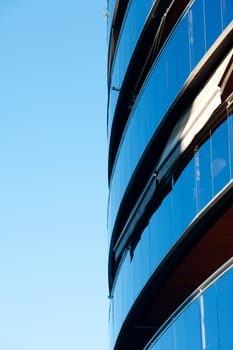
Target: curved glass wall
193,36
136,15
210,169
206,323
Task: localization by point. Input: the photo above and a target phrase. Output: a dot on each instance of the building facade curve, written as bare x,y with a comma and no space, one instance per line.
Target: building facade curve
170,137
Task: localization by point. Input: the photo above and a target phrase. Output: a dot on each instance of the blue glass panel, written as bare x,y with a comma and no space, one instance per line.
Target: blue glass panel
177,66
187,329
204,178
160,98
213,21
182,60
179,333
188,194
129,283
171,63
196,32
166,341
209,325
225,310
164,239
154,247
220,157
113,97
137,267
117,302
227,10
124,289
145,256
177,225
192,327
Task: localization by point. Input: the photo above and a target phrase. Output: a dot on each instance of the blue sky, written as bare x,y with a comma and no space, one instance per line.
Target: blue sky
53,175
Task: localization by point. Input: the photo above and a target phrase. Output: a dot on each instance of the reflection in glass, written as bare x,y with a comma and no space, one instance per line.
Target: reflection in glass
167,224
204,180
196,33
188,194
220,158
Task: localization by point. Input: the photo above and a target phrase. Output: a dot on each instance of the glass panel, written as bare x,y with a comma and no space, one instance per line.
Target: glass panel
166,341
182,60
179,333
113,97
225,310
137,267
160,98
154,247
171,63
193,326
184,326
188,194
129,283
204,178
117,306
213,22
209,325
220,157
177,225
227,10
164,239
145,256
196,32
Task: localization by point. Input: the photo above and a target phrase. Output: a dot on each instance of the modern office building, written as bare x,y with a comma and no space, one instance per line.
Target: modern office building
170,214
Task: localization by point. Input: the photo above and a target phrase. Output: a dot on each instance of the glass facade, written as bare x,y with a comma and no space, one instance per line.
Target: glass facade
197,171
171,71
192,191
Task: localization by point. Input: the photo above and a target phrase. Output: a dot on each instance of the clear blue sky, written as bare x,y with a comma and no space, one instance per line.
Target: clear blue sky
53,183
